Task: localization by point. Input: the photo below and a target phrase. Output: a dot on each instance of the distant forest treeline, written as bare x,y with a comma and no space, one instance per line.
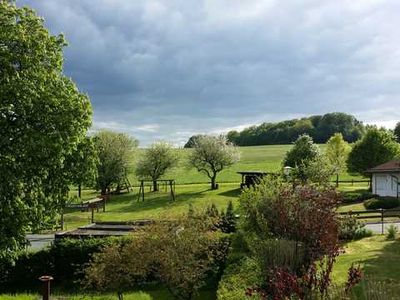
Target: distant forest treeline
319,127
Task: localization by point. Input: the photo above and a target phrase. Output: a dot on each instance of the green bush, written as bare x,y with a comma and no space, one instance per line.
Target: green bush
238,276
356,196
351,229
64,260
381,202
391,232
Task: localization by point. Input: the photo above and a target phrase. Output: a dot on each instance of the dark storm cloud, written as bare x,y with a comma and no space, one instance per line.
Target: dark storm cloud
169,69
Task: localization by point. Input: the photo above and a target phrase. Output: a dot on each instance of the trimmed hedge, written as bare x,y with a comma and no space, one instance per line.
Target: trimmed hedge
382,202
354,197
64,260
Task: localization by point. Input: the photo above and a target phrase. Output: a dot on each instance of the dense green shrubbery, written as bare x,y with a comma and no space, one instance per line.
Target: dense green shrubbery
356,196
64,260
241,271
351,229
382,202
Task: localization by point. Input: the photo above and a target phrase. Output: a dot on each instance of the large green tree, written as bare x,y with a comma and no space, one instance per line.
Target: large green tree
114,152
211,154
156,161
376,147
43,117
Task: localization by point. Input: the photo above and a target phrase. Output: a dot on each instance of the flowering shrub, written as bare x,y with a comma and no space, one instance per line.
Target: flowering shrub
303,219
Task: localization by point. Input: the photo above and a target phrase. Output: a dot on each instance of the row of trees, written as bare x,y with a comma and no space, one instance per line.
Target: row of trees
320,128
104,160
377,146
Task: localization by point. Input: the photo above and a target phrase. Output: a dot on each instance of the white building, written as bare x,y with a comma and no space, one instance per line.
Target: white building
386,179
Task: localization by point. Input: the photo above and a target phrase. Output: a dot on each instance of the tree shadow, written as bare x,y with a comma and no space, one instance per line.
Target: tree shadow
232,193
383,269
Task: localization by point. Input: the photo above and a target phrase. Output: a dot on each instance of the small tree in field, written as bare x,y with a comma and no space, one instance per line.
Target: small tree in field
376,147
397,132
156,161
304,151
114,150
337,152
211,155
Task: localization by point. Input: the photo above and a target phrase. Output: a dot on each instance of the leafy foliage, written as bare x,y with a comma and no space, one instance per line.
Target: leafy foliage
64,260
351,229
43,117
392,232
303,151
211,155
320,128
283,229
337,151
156,161
192,141
114,151
397,132
181,255
382,202
82,164
376,147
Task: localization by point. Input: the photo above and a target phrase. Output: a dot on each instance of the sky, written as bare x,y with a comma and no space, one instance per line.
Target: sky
165,70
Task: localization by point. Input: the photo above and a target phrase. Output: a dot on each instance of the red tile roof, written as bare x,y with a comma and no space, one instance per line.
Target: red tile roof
390,166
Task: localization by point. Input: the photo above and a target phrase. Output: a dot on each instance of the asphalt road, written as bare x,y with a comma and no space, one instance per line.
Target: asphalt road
39,241
377,227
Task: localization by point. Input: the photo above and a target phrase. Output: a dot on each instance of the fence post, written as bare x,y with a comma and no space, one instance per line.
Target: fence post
383,231
92,207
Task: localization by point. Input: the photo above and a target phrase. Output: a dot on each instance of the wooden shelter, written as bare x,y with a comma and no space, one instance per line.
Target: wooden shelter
250,178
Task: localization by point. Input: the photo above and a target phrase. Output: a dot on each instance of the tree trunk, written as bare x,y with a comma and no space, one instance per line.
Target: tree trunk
213,183
79,190
337,180
155,186
103,190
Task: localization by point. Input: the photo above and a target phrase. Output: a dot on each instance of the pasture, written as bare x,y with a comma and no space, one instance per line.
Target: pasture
192,188
255,158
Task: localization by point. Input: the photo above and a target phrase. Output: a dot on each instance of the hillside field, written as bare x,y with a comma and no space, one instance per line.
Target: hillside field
255,158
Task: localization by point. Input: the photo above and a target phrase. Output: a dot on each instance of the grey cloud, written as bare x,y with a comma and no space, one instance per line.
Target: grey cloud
168,69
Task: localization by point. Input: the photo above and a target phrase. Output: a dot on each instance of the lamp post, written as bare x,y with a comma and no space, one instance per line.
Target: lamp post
46,286
287,170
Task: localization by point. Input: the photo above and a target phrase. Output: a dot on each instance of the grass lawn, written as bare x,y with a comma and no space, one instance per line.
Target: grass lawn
378,257
157,205
257,158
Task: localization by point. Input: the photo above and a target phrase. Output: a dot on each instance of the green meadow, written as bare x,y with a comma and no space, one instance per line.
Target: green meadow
255,158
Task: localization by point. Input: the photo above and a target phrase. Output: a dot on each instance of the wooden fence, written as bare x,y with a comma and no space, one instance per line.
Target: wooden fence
376,215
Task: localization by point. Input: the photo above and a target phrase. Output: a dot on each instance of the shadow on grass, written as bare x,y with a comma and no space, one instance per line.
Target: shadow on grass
231,193
128,203
383,270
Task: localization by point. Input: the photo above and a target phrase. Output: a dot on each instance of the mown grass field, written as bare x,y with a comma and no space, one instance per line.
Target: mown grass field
157,205
256,158
378,257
